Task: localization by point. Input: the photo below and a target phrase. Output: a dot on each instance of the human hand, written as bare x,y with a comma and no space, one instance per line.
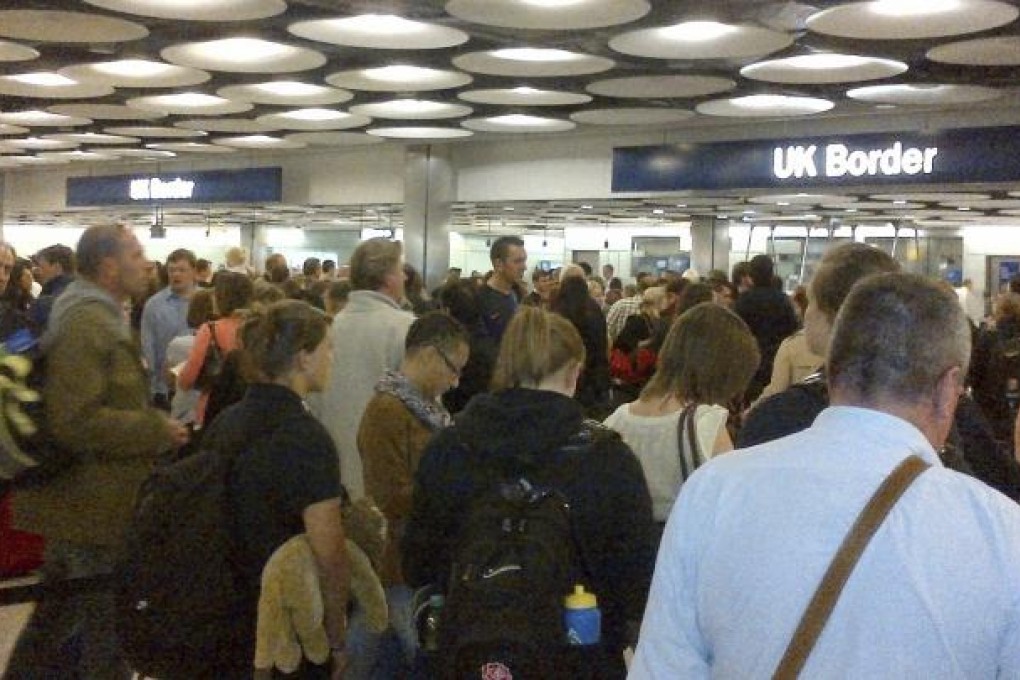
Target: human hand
178,431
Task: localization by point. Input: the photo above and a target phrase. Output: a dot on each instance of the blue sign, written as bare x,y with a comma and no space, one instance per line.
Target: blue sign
950,156
251,185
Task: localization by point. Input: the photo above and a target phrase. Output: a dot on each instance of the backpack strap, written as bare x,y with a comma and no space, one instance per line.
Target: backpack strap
824,600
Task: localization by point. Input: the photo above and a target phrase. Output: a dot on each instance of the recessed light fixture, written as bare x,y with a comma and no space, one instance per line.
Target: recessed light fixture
658,211
697,31
963,208
244,55
43,79
535,54
909,8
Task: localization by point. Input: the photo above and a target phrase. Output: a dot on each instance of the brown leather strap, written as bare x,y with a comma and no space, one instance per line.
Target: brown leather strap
824,600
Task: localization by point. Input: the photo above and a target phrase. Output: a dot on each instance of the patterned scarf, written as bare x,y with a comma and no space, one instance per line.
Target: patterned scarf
429,411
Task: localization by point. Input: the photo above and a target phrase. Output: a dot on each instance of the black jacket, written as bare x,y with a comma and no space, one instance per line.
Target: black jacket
770,316
519,431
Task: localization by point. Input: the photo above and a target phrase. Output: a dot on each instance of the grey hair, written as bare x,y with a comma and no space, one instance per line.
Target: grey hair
895,336
98,243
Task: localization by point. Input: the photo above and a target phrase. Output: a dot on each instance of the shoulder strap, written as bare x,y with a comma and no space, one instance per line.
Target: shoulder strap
212,336
836,576
685,431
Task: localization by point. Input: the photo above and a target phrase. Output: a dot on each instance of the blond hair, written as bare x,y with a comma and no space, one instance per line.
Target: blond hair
536,345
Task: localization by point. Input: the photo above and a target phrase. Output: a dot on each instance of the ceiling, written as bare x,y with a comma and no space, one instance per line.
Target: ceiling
99,81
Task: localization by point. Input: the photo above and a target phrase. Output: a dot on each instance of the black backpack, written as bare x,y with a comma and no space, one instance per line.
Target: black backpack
515,560
180,602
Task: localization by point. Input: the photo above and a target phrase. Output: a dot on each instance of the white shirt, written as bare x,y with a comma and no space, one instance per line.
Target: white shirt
655,443
935,595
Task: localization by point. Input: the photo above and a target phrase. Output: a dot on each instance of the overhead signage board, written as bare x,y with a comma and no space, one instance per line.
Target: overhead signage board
950,156
250,185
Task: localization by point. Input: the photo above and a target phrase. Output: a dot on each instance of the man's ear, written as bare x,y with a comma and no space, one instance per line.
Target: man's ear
947,392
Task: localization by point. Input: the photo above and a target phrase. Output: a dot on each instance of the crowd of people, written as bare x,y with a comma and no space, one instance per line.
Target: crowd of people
714,437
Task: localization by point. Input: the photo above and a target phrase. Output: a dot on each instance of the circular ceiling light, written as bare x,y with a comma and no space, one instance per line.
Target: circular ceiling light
873,205
516,122
6,129
285,93
524,96
379,31
136,73
103,111
49,85
800,199
993,204
40,144
531,62
77,155
152,131
911,19
924,94
1001,51
314,119
932,197
764,105
412,109
659,87
701,40
258,142
38,160
189,102
630,116
823,68
36,118
419,132
239,126
12,51
67,27
92,138
135,153
244,55
189,147
398,78
333,138
196,10
549,14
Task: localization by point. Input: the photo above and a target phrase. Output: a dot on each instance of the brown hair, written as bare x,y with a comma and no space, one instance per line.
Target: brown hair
535,345
709,357
841,268
200,308
232,291
98,243
272,338
372,261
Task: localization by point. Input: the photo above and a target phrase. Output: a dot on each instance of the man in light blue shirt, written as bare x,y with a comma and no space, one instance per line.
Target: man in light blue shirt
936,593
164,317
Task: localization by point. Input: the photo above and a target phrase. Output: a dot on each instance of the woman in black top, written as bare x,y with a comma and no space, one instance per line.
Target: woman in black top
530,426
286,480
575,303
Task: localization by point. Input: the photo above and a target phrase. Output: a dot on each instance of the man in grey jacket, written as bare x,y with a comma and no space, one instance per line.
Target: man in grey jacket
368,340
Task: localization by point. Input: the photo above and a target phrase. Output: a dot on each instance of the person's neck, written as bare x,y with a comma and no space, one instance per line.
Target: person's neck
917,414
497,282
295,383
416,374
658,404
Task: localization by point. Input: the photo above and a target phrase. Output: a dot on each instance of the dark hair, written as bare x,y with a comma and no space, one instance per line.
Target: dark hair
694,294
1014,284
202,265
278,273
539,273
328,266
460,300
615,283
98,243
18,298
435,329
339,291
232,291
58,254
761,270
413,284
272,338
740,270
585,267
200,308
800,300
572,300
311,266
500,249
182,254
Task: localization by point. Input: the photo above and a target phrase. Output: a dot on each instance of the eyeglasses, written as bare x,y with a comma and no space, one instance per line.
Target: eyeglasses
446,360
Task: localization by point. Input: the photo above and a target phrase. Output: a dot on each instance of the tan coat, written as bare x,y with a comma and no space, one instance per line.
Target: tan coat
391,440
97,399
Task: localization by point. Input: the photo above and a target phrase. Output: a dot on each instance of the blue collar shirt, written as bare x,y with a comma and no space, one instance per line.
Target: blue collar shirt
935,595
164,317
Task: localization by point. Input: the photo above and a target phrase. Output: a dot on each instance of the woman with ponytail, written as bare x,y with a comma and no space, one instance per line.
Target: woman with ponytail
286,478
530,427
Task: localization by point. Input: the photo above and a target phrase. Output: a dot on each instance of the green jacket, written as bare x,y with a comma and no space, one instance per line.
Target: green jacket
97,400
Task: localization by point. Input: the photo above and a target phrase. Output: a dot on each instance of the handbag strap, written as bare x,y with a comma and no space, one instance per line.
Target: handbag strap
823,602
215,344
685,431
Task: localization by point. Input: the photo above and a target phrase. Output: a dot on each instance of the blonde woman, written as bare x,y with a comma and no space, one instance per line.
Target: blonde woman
708,358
